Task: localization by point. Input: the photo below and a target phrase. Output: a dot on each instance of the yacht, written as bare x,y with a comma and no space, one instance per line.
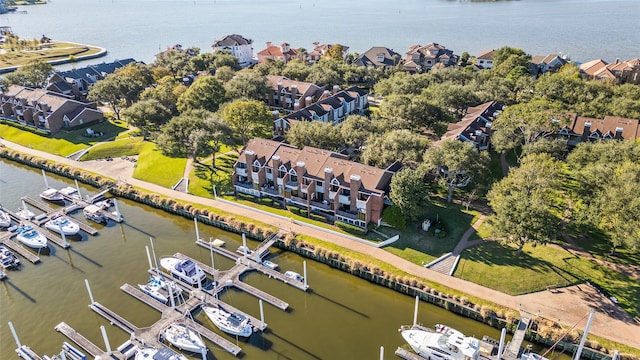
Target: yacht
8,259
184,338
25,213
30,237
442,343
69,191
153,289
52,195
5,219
94,213
164,353
270,264
184,270
231,323
62,225
218,242
294,276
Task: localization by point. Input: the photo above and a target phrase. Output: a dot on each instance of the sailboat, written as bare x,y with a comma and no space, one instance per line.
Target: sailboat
231,323
5,219
183,337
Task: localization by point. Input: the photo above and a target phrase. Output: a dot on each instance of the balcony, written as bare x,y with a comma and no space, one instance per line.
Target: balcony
321,205
246,188
255,178
280,181
332,194
292,185
347,215
344,199
270,190
298,200
304,188
361,204
242,172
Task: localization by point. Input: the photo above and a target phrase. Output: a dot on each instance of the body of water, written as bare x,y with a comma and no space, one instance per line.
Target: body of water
341,317
582,29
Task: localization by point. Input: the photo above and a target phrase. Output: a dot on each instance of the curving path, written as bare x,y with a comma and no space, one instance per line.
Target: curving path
567,305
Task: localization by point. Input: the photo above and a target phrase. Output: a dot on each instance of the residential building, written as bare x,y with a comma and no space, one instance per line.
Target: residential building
332,107
284,53
76,82
589,129
238,46
321,50
379,57
46,110
289,95
475,126
539,65
627,71
421,58
485,59
596,69
317,180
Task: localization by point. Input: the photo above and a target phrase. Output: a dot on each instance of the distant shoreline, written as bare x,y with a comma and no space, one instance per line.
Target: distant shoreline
102,52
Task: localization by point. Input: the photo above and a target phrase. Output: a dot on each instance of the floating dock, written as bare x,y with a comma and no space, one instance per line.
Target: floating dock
408,355
512,350
5,239
77,338
26,353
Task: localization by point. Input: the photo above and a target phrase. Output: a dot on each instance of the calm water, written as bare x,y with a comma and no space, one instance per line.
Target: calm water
583,29
342,317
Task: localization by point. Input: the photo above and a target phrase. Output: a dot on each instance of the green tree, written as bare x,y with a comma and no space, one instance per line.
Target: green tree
248,119
316,134
326,72
167,91
501,55
296,70
35,74
452,98
356,129
249,85
335,53
178,62
113,90
148,115
523,203
455,164
224,74
395,145
409,193
224,58
205,93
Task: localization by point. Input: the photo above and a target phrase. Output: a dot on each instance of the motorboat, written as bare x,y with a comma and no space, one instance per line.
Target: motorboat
5,219
243,249
71,352
104,204
94,213
218,242
442,342
176,290
293,275
30,237
62,225
8,259
153,289
231,323
69,191
52,195
184,338
25,213
164,353
270,264
184,270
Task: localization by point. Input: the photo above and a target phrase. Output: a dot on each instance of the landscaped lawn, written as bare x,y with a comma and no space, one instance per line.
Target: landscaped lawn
56,51
115,149
202,179
158,169
419,247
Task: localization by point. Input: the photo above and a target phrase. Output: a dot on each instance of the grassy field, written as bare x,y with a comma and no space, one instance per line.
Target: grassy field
15,56
203,178
158,169
115,149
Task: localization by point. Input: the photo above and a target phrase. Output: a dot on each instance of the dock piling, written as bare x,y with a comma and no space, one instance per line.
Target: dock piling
195,223
89,290
169,288
78,188
415,311
106,339
244,244
503,335
304,272
149,258
64,239
15,336
44,175
261,314
381,352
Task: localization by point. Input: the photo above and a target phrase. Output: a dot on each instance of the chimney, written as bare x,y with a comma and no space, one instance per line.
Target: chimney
618,135
335,89
307,101
294,91
285,48
354,187
300,171
296,105
251,157
268,44
586,131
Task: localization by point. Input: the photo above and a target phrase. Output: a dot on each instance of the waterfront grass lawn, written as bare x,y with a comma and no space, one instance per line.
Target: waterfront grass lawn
156,168
421,248
54,51
115,149
498,266
203,178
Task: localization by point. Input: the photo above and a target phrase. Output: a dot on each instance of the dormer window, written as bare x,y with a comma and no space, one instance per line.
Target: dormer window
282,171
256,166
293,176
380,58
335,185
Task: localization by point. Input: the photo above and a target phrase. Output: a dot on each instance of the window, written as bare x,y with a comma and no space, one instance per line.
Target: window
282,171
242,165
269,171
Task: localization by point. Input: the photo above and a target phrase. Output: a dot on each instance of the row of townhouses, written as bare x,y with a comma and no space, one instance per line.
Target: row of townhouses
317,180
76,82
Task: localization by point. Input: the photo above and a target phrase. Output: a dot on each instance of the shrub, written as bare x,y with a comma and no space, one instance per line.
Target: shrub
351,228
392,215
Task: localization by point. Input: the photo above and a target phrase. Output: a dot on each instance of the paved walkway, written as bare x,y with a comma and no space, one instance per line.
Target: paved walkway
566,305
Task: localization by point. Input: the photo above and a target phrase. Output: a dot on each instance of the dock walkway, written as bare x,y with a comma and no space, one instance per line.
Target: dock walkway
77,338
17,248
408,355
512,349
114,318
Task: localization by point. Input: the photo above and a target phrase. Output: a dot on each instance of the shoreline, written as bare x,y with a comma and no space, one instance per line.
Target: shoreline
101,53
565,307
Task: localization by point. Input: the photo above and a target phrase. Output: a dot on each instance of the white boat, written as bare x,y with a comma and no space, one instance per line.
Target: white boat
25,213
242,249
73,353
293,275
51,195
164,353
69,191
231,323
153,289
184,338
104,204
442,343
5,219
94,213
30,237
270,264
8,259
185,270
218,242
61,225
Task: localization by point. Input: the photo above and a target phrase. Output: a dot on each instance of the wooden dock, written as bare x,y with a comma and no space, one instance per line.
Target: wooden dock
91,348
140,295
38,205
19,249
408,355
52,213
282,305
26,353
512,350
114,318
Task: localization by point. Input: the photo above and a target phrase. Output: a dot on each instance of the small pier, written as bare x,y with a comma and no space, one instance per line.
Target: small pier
282,305
5,239
77,338
408,355
52,213
140,295
113,318
512,350
25,352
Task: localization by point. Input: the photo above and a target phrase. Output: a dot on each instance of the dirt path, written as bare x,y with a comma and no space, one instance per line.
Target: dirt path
567,305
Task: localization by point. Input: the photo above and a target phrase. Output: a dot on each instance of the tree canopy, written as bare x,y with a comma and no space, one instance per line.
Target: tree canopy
395,145
409,193
205,93
316,134
248,119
